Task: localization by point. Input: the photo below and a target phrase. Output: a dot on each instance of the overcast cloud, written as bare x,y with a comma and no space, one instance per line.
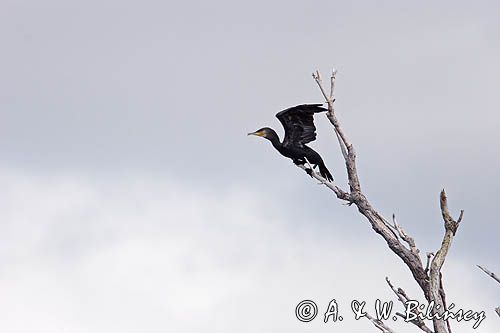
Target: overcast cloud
132,200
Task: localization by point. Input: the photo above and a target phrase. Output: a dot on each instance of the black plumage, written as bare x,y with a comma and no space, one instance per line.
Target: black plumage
298,122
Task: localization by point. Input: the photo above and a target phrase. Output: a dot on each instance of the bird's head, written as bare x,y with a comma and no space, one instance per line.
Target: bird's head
264,132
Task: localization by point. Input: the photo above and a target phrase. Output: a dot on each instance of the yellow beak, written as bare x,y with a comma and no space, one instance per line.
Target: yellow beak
261,133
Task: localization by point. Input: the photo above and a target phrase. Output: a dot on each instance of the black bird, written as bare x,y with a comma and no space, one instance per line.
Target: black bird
299,127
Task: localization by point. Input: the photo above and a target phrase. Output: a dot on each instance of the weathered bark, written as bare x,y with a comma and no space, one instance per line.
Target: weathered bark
428,278
436,291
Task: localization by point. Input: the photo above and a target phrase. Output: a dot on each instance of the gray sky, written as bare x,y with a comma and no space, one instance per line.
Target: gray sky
133,200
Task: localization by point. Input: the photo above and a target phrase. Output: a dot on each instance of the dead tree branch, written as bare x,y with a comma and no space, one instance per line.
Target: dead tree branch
379,324
491,274
403,298
404,236
494,277
436,289
429,278
427,265
341,194
376,220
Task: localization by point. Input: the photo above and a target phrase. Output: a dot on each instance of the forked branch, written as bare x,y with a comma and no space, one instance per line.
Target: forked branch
437,294
428,278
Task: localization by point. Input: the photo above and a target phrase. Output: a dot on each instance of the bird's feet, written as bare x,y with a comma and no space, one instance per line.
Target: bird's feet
309,172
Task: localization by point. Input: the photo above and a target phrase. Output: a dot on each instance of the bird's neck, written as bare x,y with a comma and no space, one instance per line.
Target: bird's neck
276,143
275,140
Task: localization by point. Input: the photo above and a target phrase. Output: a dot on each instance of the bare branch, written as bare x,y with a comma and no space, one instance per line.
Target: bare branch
345,146
436,291
379,324
443,297
427,265
491,274
403,298
494,277
449,222
399,292
332,84
342,146
429,279
341,194
377,221
404,236
330,100
319,81
391,227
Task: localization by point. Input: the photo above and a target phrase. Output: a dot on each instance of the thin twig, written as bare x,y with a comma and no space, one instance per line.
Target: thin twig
494,277
346,147
403,298
379,324
332,84
427,265
401,295
404,236
341,194
342,146
491,274
319,81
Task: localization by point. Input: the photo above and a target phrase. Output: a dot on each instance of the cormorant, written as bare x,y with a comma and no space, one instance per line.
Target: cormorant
298,123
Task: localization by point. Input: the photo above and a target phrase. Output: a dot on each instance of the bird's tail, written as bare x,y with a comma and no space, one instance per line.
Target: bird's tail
325,173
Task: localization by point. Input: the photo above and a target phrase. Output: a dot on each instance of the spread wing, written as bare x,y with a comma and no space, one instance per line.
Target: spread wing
298,122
